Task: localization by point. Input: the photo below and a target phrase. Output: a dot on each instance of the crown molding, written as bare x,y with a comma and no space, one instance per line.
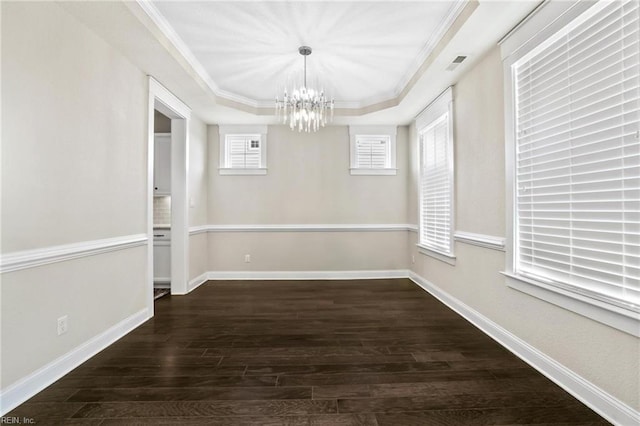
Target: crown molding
430,45
176,41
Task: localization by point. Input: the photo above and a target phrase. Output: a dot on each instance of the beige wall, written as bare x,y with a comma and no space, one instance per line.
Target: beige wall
198,255
308,251
603,355
95,292
308,182
198,172
479,150
198,180
74,116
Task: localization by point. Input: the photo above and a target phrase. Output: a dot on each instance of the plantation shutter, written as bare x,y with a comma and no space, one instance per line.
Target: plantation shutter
578,155
372,153
435,232
243,152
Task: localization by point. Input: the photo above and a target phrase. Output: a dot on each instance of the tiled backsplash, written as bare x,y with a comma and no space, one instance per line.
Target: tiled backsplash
162,210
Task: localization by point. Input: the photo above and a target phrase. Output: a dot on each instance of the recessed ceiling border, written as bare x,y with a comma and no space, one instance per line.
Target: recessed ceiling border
456,17
431,44
172,36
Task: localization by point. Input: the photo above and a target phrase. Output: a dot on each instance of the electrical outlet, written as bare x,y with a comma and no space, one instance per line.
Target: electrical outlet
247,258
413,258
62,325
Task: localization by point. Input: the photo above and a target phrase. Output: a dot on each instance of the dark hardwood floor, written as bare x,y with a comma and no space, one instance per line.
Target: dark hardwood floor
371,352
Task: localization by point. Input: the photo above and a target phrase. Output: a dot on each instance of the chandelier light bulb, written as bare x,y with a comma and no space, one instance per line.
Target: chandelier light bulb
306,108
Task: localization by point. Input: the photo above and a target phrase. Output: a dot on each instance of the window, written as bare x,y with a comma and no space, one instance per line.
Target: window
576,162
243,150
373,150
435,129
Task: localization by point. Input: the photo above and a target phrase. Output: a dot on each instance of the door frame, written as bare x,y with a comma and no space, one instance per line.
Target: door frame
180,114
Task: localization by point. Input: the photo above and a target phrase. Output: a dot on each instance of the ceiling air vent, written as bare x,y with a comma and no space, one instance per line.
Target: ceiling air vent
457,61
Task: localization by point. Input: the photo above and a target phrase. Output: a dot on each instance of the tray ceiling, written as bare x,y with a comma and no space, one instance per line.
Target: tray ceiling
383,61
363,52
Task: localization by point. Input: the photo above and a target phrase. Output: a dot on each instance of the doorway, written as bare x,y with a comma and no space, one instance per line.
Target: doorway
161,205
163,102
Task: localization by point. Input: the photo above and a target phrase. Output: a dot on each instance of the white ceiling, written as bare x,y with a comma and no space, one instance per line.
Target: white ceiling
383,61
363,52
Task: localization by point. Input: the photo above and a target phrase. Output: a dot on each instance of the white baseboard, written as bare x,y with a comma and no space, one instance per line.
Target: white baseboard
307,275
592,396
306,227
28,386
197,281
161,285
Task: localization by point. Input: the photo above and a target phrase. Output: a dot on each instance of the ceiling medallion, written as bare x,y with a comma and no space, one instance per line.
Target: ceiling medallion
303,107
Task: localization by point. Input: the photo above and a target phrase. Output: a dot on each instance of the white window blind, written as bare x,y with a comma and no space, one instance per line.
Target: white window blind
243,151
436,179
372,152
577,192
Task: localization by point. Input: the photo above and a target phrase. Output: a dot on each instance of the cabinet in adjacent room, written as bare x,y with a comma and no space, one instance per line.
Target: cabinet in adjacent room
162,164
161,256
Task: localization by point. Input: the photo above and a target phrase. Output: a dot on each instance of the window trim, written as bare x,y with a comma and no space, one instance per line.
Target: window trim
431,252
440,106
242,130
549,18
387,132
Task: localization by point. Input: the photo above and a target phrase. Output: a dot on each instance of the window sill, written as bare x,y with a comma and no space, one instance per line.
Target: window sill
623,319
374,172
447,258
224,171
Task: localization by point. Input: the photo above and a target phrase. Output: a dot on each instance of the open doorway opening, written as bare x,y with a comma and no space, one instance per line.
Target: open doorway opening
161,205
168,192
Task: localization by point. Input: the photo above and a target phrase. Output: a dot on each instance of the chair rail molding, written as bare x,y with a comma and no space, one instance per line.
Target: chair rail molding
25,259
482,240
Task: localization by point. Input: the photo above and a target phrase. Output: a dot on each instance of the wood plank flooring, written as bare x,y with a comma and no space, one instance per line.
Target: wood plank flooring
370,352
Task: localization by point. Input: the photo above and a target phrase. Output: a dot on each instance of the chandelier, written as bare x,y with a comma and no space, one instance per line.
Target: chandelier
304,107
